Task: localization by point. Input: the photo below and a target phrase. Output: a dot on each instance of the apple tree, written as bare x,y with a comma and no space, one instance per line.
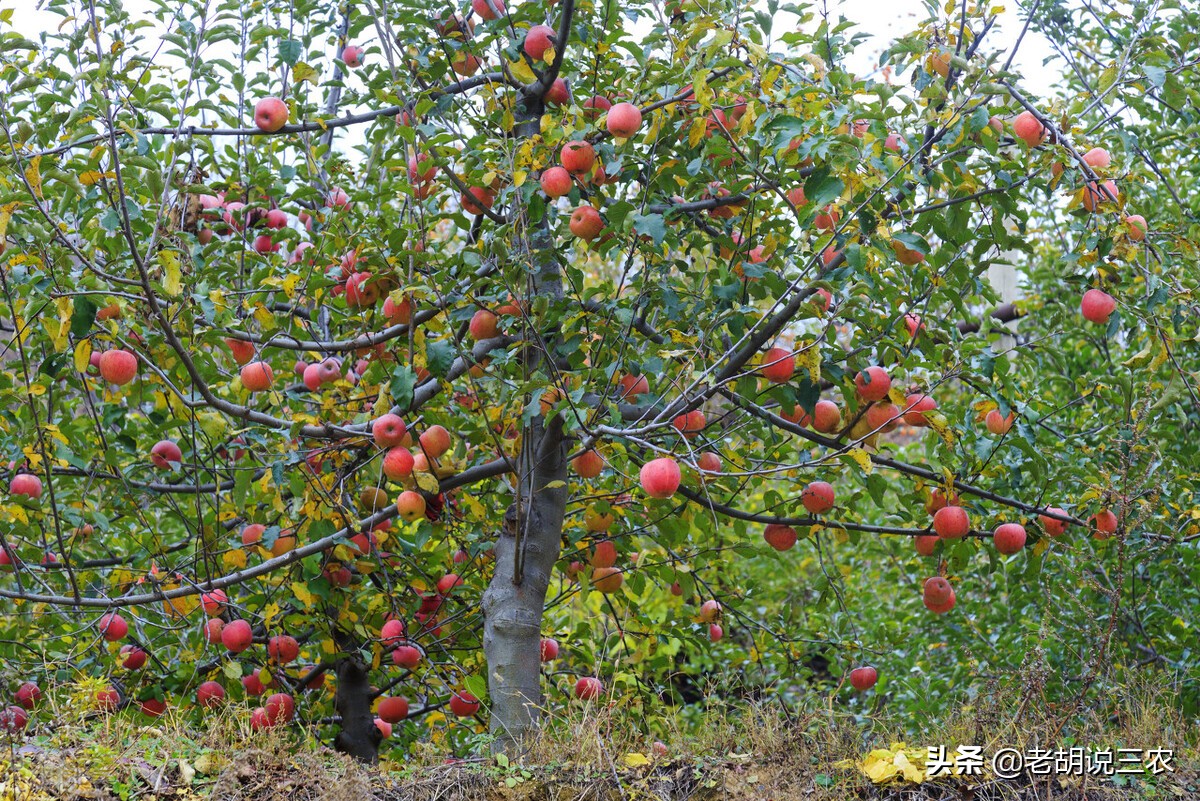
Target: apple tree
372,363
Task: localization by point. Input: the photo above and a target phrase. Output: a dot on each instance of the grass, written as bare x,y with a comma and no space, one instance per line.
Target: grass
734,752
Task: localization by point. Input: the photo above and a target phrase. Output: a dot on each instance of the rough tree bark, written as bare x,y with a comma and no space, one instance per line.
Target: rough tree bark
358,737
530,538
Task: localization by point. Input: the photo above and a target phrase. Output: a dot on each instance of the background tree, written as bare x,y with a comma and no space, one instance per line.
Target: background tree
504,348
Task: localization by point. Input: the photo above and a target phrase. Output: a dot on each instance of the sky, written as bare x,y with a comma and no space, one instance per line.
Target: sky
883,20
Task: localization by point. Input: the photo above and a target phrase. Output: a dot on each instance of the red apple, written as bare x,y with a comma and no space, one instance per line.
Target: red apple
393,709
588,464
463,704
938,591
214,602
873,384
624,120
607,579
476,199
398,464
1097,305
826,418
1009,538
863,678
257,376
242,351
559,94
280,708
283,649
113,627
549,649
165,454
118,366
25,484
597,105
539,39
1097,194
779,537
951,522
389,430
1052,525
778,365
108,699
392,632
588,688
132,657
926,543
1097,158
1104,524
1136,226
660,477
916,406
1028,129
485,11
406,656
577,157
997,423
210,694
237,636
586,223
411,505
435,441
28,694
270,114
818,497
556,181
483,325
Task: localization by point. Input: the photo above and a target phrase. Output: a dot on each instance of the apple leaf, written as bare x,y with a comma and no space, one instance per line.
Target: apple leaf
821,188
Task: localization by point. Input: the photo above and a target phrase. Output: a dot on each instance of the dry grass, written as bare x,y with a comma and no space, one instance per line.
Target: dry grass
739,753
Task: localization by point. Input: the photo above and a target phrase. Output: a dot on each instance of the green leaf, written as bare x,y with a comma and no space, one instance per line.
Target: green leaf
651,225
289,51
83,315
821,188
439,355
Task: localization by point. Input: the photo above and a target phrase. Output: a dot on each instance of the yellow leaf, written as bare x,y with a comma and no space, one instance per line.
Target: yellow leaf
911,772
809,358
938,422
234,560
65,309
635,760
519,178
6,212
172,277
862,459
302,594
697,131
879,768
264,317
90,177
34,176
426,481
521,71
83,355
304,72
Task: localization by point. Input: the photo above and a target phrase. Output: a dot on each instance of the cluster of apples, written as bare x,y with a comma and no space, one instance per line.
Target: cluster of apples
1096,306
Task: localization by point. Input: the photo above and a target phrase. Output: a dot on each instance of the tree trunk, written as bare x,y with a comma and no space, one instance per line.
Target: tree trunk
359,737
531,536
